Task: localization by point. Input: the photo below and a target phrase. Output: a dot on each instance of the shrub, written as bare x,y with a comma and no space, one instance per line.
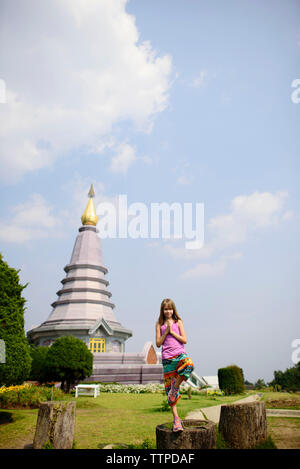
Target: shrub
165,407
231,380
68,360
27,396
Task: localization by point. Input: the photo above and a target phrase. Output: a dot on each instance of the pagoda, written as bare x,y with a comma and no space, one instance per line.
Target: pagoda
83,308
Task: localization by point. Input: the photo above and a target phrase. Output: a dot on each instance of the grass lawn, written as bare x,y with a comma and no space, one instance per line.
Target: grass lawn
130,419
285,432
17,427
109,418
281,400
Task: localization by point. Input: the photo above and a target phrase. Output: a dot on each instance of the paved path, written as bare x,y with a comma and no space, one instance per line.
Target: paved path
213,413
283,413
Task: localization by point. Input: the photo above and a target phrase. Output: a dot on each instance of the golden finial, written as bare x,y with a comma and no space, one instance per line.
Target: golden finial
89,216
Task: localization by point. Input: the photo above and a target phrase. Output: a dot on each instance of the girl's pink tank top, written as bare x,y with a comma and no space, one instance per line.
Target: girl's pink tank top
171,346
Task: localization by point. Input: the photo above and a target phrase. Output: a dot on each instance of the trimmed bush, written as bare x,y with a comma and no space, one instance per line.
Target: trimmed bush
231,380
68,360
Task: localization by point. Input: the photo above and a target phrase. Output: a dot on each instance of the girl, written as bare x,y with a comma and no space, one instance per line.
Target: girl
176,364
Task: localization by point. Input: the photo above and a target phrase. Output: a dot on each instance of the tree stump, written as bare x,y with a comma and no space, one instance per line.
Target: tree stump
55,425
197,434
243,426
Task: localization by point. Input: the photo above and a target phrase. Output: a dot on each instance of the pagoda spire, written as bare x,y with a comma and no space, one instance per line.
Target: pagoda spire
89,216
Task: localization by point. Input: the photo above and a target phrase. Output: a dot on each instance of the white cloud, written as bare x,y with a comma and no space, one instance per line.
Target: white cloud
124,157
212,269
30,220
288,215
200,80
248,214
72,69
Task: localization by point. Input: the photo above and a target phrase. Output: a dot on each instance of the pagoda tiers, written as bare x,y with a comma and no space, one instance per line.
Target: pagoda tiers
83,308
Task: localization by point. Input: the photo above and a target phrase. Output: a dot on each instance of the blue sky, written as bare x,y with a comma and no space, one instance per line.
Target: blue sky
165,102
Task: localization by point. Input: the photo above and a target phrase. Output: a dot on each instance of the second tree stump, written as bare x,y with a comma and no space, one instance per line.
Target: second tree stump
197,434
55,425
243,426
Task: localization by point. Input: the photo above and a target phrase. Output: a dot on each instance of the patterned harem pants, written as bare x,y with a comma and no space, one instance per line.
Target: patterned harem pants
181,365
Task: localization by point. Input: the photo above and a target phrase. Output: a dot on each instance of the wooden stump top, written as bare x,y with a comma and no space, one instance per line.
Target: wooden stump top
196,434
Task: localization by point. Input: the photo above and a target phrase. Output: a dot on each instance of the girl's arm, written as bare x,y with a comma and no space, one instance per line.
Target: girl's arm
182,337
161,338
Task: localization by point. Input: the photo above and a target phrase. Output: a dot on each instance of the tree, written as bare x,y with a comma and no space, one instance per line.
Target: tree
17,364
289,379
260,383
68,360
38,365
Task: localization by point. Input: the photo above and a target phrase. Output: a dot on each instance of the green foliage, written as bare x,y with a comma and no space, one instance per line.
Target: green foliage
260,383
16,368
68,360
146,444
165,407
231,380
289,380
47,445
38,369
221,443
267,444
28,396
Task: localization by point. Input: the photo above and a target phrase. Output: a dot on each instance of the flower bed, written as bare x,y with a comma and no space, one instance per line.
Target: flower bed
214,392
27,396
153,388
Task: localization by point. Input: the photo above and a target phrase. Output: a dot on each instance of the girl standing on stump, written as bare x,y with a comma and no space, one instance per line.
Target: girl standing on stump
176,364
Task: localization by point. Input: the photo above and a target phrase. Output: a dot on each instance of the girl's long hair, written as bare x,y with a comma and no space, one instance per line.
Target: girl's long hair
167,302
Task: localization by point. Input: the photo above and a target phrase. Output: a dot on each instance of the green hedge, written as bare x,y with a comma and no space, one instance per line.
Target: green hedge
231,380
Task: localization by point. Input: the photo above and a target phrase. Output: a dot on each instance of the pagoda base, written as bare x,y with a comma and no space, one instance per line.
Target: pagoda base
127,374
128,368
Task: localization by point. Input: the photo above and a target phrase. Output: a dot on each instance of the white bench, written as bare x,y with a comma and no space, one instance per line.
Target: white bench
87,390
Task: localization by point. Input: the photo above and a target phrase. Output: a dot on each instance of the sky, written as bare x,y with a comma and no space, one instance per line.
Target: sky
178,101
